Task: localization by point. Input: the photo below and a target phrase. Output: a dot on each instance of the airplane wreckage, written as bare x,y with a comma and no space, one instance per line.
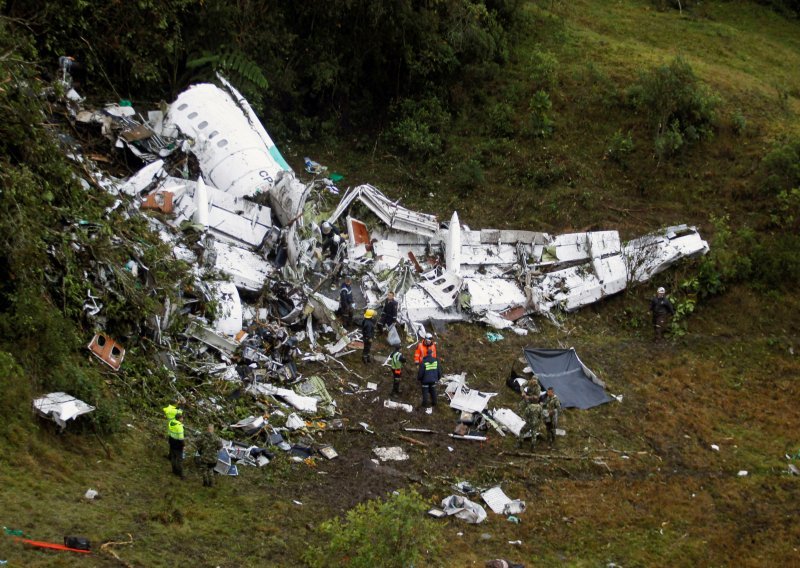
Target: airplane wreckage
260,227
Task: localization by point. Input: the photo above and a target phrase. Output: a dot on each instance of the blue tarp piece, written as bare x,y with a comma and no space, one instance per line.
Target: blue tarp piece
572,381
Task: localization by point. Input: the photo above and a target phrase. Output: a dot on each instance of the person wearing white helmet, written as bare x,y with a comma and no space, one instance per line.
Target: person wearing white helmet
661,308
331,239
425,346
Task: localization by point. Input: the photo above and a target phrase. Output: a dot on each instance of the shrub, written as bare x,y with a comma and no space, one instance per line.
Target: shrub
680,109
544,69
501,120
620,147
468,176
739,122
781,166
419,127
390,533
540,123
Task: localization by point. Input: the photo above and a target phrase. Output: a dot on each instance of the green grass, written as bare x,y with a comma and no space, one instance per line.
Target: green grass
730,380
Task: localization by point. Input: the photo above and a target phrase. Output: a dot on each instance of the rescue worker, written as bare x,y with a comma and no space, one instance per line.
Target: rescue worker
396,361
208,446
331,239
428,375
389,312
552,408
424,347
169,412
346,304
368,334
661,308
532,413
176,443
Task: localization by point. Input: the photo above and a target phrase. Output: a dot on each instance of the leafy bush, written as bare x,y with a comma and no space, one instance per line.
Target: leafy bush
420,127
680,109
391,533
544,70
540,123
468,176
786,213
725,263
739,122
500,120
620,147
781,166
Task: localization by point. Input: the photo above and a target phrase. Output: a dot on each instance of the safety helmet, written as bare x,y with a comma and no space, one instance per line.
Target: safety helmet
428,336
369,314
326,228
661,290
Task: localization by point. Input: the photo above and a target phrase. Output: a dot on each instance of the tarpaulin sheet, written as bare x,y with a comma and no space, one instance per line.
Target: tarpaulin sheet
572,381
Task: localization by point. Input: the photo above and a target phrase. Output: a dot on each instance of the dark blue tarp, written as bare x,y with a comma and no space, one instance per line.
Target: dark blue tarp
571,380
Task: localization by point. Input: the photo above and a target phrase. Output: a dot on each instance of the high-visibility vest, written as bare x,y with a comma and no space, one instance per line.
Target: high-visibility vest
431,365
170,411
176,429
394,362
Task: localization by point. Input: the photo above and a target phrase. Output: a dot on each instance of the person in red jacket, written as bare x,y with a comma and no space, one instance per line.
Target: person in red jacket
425,347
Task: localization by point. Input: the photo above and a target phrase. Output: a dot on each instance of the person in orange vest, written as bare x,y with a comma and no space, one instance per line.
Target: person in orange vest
425,347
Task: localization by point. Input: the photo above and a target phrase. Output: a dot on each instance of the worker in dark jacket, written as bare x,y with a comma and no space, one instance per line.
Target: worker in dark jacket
389,313
661,308
428,375
368,334
345,310
331,239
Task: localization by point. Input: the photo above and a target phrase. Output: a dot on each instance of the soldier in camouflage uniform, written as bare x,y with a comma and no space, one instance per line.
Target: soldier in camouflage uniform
531,412
208,446
552,408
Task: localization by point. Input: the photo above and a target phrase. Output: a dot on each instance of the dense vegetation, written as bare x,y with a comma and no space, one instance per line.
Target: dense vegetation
545,114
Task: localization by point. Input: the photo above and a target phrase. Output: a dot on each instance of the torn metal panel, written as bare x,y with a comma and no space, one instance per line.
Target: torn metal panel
208,336
494,294
107,350
653,253
61,407
420,306
234,219
500,503
464,509
387,255
443,288
144,178
229,309
509,419
470,400
300,402
250,425
247,270
388,211
315,387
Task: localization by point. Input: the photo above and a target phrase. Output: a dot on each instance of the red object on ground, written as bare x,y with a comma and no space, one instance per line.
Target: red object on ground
51,545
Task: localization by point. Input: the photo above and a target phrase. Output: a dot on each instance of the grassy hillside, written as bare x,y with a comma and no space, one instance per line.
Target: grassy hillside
635,483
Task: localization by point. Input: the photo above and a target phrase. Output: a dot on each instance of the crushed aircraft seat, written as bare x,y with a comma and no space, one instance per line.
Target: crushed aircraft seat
107,350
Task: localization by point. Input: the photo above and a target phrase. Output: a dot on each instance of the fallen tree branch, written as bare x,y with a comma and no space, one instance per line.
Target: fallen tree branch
412,441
